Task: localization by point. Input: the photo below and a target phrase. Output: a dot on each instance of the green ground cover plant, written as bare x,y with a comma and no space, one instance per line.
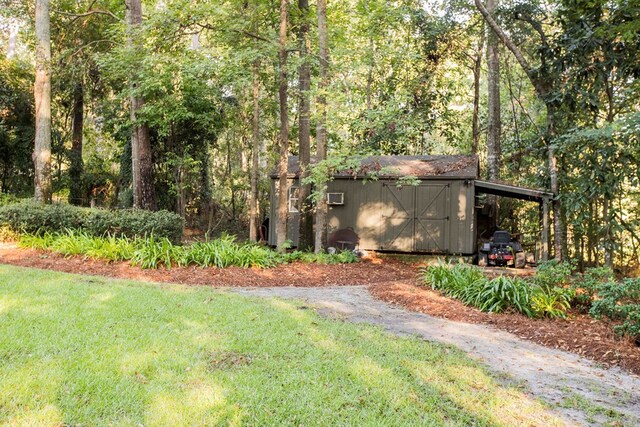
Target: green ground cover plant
155,252
78,350
537,298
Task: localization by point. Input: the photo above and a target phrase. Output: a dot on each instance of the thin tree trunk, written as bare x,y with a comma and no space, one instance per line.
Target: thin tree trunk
13,40
304,149
144,195
283,186
76,167
558,224
493,98
321,130
477,69
608,243
255,155
493,112
42,98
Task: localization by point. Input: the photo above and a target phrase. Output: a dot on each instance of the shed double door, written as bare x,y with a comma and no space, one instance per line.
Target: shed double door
415,218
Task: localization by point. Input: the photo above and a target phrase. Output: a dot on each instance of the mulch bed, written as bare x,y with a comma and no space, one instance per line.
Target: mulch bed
295,274
388,279
580,334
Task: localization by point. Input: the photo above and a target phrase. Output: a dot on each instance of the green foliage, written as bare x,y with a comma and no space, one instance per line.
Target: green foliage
620,302
505,292
585,286
343,257
8,199
551,303
155,252
468,284
552,274
73,243
32,218
16,126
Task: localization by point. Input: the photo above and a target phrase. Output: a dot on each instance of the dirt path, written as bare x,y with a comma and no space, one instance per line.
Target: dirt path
582,392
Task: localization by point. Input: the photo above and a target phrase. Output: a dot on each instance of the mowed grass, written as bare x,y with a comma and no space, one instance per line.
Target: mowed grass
92,351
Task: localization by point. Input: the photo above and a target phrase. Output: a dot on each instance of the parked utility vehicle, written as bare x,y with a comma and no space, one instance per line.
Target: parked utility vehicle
501,251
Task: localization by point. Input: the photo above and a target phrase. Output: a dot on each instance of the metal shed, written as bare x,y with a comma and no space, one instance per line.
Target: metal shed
434,216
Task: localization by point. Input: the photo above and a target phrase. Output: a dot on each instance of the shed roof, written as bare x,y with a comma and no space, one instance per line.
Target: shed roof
458,167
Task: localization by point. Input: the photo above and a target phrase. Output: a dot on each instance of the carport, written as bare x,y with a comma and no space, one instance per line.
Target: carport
521,193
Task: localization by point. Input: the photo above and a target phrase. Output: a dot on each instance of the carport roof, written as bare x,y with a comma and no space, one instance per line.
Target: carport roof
512,191
456,167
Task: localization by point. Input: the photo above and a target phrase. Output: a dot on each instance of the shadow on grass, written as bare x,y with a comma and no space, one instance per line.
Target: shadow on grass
86,351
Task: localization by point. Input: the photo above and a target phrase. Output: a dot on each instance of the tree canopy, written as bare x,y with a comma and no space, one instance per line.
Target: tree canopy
403,77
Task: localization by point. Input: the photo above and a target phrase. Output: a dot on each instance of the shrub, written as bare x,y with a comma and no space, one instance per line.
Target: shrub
585,286
552,274
619,302
32,218
8,199
343,257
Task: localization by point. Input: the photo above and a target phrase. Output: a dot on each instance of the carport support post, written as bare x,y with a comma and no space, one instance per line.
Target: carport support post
545,229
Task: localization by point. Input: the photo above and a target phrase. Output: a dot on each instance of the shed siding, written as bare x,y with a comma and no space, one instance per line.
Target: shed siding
436,216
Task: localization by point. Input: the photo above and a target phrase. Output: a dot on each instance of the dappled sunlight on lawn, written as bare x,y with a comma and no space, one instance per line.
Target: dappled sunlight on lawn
98,351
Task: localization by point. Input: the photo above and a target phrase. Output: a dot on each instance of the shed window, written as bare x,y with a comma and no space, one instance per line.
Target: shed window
335,198
294,199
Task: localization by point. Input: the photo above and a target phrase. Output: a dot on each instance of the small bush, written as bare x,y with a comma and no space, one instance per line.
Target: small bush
585,286
551,303
552,274
504,292
343,257
8,199
32,218
619,301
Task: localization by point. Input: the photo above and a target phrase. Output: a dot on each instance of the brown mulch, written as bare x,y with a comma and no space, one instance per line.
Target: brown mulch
390,280
296,274
580,334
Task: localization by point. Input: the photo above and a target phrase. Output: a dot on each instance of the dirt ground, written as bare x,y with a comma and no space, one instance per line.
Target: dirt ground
388,279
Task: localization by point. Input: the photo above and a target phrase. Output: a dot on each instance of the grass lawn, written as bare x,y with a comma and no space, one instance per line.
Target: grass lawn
93,351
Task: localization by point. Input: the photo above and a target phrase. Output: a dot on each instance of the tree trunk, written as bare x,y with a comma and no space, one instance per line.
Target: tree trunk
477,70
283,187
42,98
493,112
542,85
144,194
76,167
558,224
306,219
321,130
493,98
255,156
13,40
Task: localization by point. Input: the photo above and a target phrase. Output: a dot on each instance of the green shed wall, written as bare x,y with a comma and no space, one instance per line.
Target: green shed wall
436,216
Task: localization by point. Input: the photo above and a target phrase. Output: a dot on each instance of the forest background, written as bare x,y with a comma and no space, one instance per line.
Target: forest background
545,92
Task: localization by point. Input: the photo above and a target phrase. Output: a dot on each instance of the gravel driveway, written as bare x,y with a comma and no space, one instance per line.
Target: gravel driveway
577,389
